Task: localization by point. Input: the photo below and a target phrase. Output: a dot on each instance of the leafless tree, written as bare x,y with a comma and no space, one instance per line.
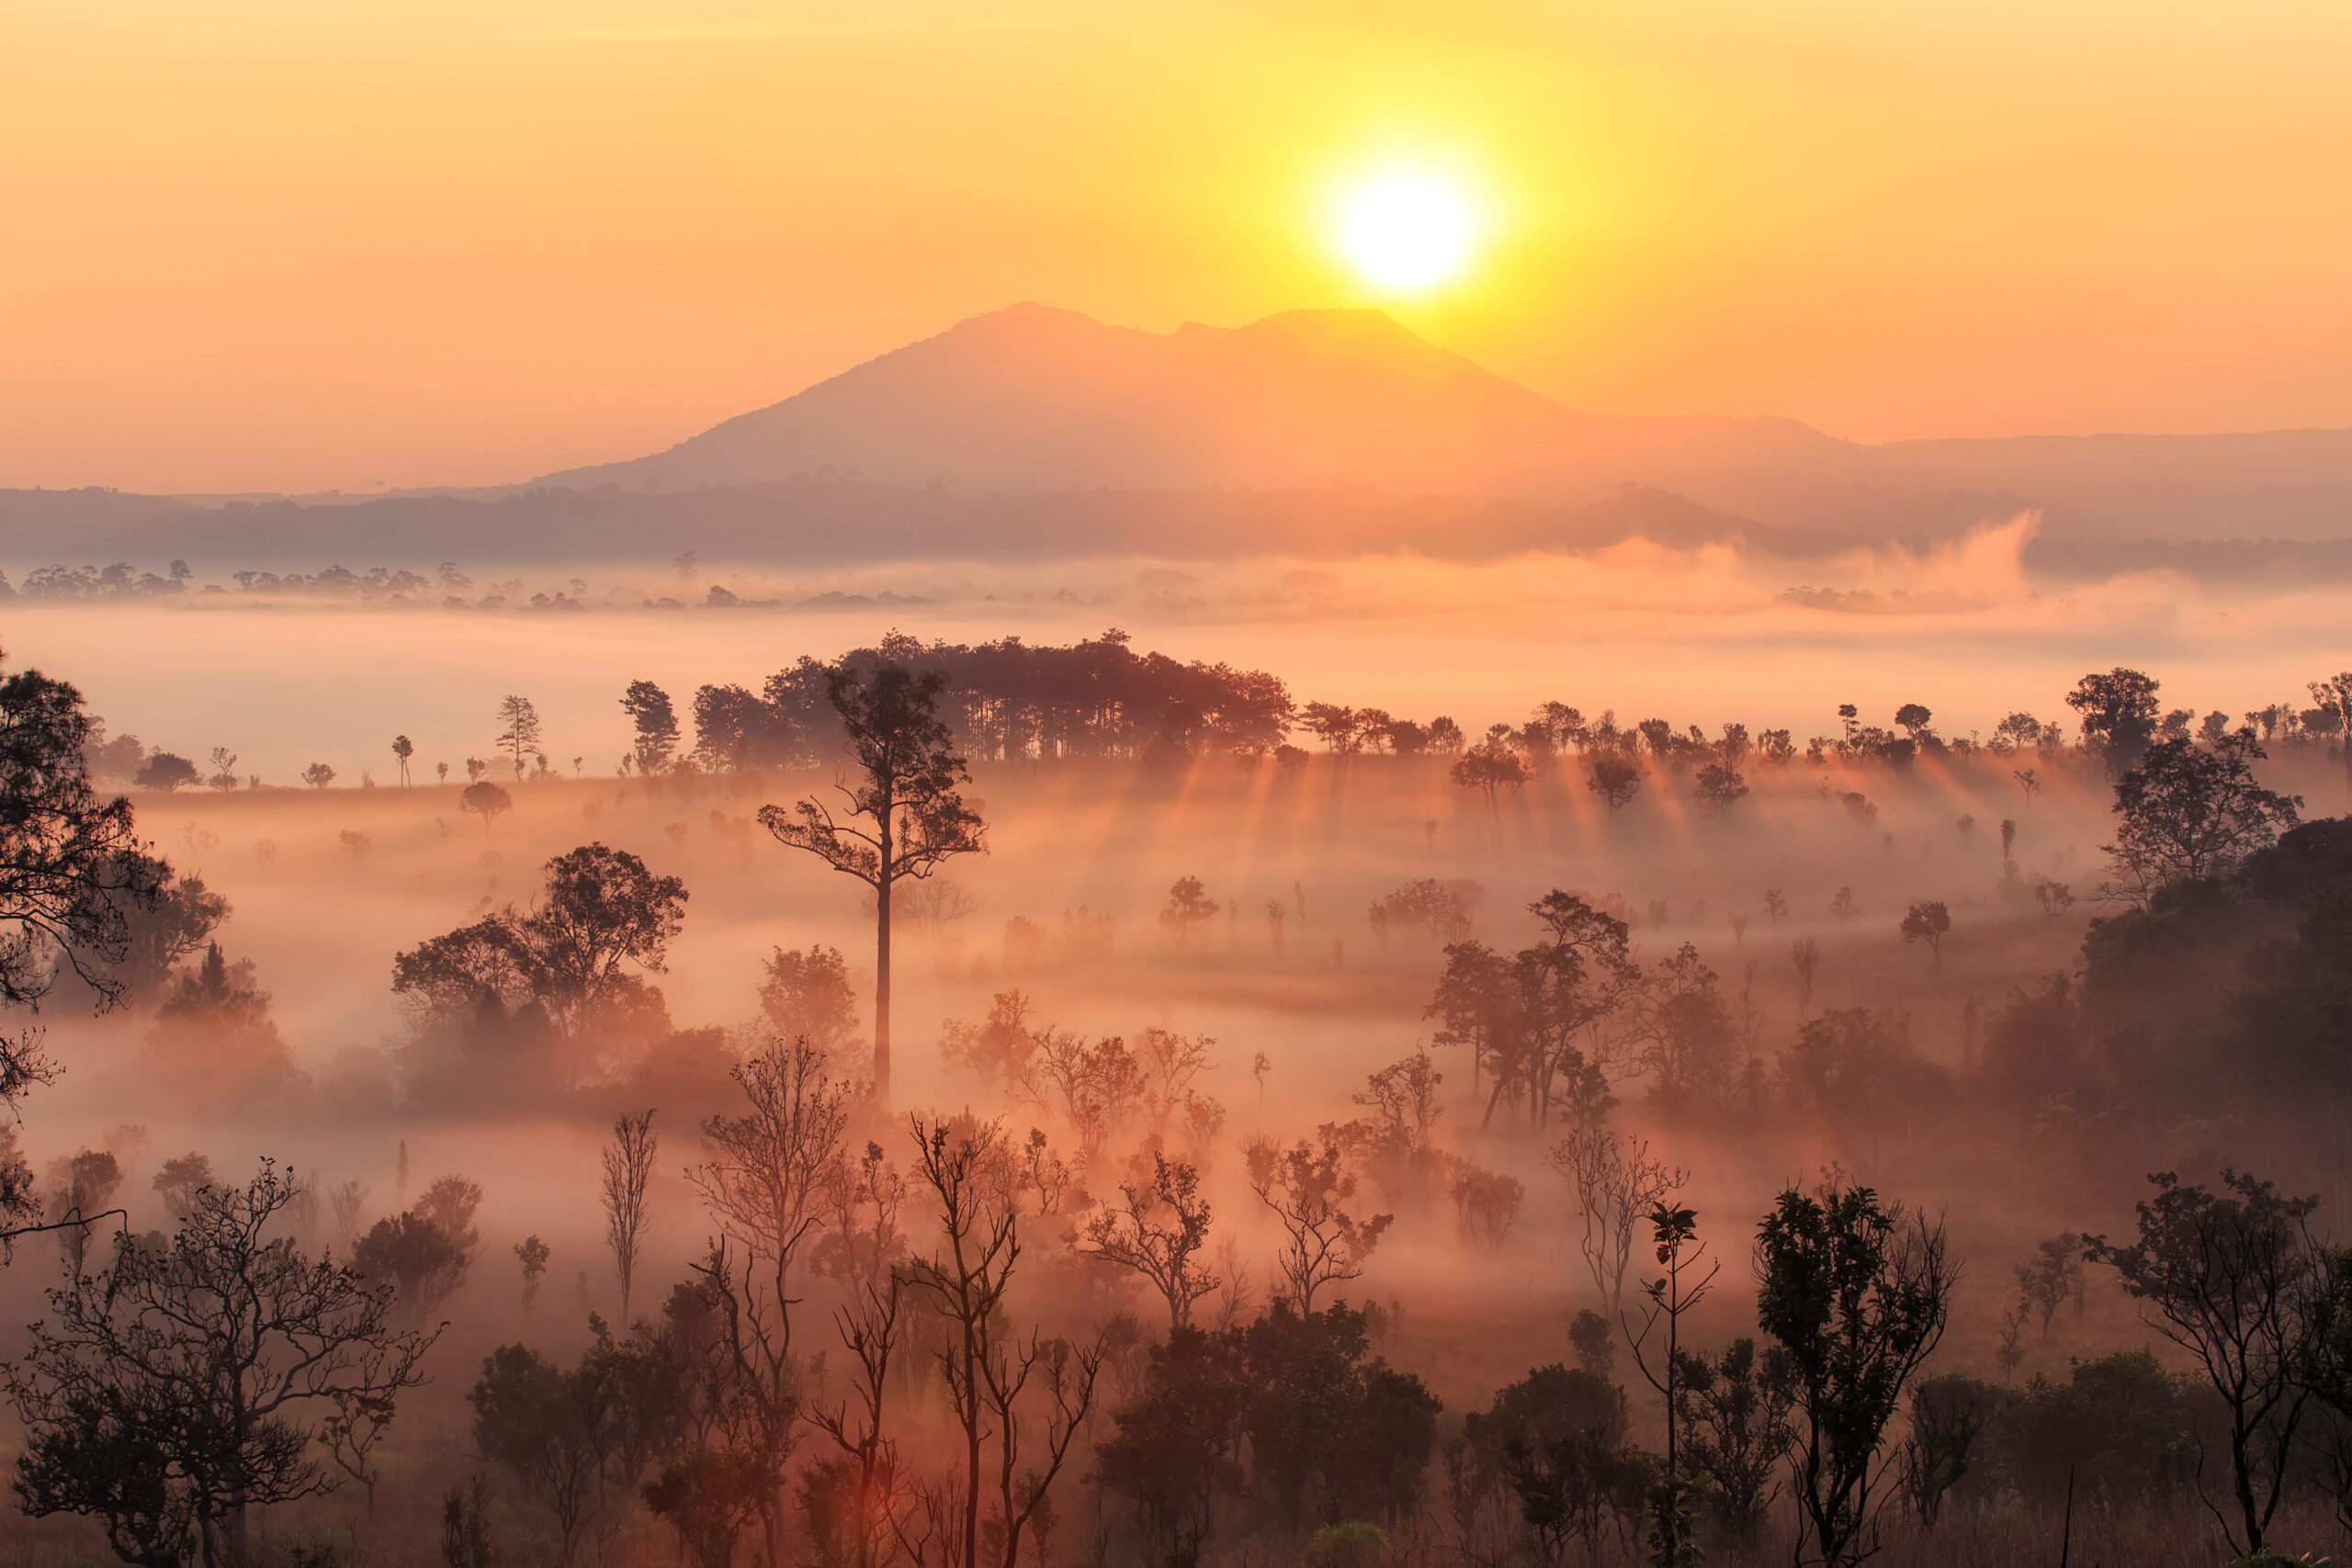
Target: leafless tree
349,1202
1615,1182
1804,953
870,1330
1155,1229
1307,1188
629,1166
986,1366
764,1183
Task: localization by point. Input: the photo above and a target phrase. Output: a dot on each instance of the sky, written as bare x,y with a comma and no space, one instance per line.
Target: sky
271,244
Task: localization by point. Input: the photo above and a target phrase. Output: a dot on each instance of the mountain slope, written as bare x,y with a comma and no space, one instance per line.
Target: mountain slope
1033,400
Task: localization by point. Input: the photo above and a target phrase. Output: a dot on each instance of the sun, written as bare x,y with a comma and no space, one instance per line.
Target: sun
1405,232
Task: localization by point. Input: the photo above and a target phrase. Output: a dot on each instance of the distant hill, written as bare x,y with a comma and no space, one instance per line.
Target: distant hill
1036,401
1034,432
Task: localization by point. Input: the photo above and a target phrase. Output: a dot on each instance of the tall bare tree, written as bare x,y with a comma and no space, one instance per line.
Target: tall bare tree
987,1365
905,791
764,1181
629,1166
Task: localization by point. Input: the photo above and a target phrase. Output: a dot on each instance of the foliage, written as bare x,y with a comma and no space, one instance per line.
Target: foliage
1857,1293
170,1394
2185,813
2229,1278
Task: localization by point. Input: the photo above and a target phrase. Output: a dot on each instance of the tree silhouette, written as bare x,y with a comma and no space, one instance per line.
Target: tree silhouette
2119,711
1489,766
648,706
906,791
1718,786
1155,1229
628,1168
403,749
2335,697
1929,922
1615,778
485,800
166,771
2228,1278
317,775
2185,812
1858,1292
518,729
1308,1189
165,1397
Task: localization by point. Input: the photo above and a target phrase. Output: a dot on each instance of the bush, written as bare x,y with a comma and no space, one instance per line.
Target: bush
1351,1545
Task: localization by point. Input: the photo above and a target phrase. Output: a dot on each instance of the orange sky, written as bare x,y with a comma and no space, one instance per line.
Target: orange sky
281,244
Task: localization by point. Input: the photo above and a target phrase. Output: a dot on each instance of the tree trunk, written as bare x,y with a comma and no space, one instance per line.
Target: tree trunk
882,988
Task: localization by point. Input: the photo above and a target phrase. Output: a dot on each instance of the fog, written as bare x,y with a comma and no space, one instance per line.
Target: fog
1077,903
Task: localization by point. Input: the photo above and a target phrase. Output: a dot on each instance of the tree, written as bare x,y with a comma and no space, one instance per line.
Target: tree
2229,1278
1674,1234
764,1181
1929,922
629,1166
907,791
166,771
1735,1416
72,874
224,770
867,1484
546,1427
1615,1182
317,775
1857,1293
708,1495
533,1255
601,913
2052,1277
1804,956
1614,777
403,749
807,995
1307,1188
2185,812
1155,1230
169,1395
485,800
2119,711
1718,786
648,706
423,1254
1189,908
984,1362
2334,696
518,729
1489,766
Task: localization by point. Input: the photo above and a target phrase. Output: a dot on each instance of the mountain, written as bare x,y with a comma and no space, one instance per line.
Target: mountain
1036,400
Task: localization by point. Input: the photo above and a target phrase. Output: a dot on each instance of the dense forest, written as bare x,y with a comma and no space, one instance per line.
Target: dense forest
1358,1139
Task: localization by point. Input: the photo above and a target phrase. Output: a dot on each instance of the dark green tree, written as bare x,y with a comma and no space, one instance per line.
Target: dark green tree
1856,1292
2231,1279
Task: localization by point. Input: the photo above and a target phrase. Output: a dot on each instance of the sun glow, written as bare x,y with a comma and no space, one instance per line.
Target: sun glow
1405,231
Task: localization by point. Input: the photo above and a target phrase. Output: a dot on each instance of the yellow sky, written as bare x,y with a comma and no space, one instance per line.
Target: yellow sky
285,244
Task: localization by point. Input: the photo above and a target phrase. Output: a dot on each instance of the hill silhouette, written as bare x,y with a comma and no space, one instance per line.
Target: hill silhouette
1031,400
